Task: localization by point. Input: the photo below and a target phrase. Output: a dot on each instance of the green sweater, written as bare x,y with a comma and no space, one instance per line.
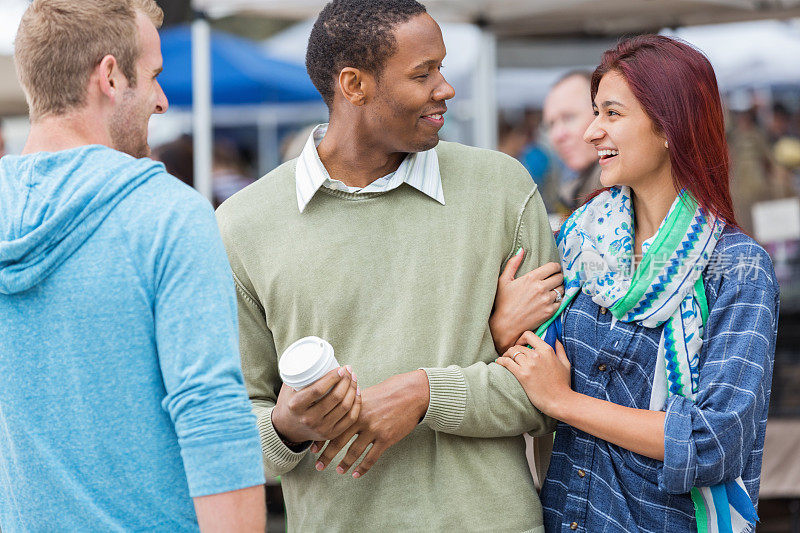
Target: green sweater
396,281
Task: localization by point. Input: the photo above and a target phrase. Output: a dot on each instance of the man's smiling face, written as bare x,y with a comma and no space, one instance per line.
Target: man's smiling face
409,102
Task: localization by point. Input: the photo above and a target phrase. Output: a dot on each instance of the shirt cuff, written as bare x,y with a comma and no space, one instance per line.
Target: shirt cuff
678,471
278,458
448,403
213,468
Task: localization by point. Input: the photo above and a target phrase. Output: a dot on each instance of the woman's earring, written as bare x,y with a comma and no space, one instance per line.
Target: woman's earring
666,144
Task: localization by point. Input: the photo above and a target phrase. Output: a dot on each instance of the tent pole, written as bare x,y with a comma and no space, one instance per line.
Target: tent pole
268,153
484,97
202,104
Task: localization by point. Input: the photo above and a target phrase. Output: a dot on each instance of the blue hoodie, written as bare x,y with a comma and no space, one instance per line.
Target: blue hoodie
121,394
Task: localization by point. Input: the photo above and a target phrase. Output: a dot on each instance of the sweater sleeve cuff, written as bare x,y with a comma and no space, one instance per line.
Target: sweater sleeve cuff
677,473
278,458
216,467
448,403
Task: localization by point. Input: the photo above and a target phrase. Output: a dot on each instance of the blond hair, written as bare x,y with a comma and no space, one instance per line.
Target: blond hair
60,42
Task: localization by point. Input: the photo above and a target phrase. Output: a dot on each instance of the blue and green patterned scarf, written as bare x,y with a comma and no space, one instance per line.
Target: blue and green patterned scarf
596,247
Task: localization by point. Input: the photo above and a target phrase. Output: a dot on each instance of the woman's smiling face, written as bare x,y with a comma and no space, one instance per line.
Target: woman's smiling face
630,150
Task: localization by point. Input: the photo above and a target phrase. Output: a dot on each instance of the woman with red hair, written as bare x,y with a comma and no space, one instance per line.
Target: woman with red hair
668,321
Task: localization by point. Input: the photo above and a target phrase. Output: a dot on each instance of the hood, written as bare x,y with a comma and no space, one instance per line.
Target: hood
51,202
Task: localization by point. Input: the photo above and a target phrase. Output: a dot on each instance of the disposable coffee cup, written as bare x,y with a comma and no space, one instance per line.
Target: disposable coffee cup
305,361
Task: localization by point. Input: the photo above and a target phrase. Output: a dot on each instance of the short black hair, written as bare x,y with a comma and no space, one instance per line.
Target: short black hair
354,33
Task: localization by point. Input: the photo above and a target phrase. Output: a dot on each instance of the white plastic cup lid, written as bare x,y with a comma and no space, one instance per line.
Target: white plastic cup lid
305,361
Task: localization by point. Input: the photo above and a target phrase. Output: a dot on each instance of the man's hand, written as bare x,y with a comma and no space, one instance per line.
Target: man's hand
391,410
321,411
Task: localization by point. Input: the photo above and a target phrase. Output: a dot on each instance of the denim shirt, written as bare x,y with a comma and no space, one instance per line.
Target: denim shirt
595,486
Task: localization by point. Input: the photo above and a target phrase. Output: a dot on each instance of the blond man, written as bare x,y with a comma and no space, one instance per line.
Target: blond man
122,405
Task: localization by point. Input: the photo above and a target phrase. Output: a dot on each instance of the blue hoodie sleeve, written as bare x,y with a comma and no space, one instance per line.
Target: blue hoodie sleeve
197,340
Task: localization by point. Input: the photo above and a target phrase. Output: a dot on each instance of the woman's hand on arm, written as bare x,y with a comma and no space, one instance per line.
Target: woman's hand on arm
545,376
524,303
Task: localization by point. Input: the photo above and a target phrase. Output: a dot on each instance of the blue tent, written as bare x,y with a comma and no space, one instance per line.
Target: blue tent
241,72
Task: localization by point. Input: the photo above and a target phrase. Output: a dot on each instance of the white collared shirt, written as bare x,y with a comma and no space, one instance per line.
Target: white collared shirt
419,169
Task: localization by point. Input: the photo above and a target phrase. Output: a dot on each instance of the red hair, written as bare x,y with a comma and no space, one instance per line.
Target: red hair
676,86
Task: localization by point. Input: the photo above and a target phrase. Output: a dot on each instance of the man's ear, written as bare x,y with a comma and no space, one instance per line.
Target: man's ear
108,76
356,85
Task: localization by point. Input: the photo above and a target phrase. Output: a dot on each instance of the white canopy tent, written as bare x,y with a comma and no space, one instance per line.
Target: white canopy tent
550,17
749,54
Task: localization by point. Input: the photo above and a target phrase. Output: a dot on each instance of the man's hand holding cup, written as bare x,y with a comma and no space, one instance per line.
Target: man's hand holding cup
319,399
322,411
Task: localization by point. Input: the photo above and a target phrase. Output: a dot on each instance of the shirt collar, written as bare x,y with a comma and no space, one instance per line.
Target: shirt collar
419,169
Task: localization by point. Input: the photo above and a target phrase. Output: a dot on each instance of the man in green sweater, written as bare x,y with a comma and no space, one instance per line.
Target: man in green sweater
388,244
